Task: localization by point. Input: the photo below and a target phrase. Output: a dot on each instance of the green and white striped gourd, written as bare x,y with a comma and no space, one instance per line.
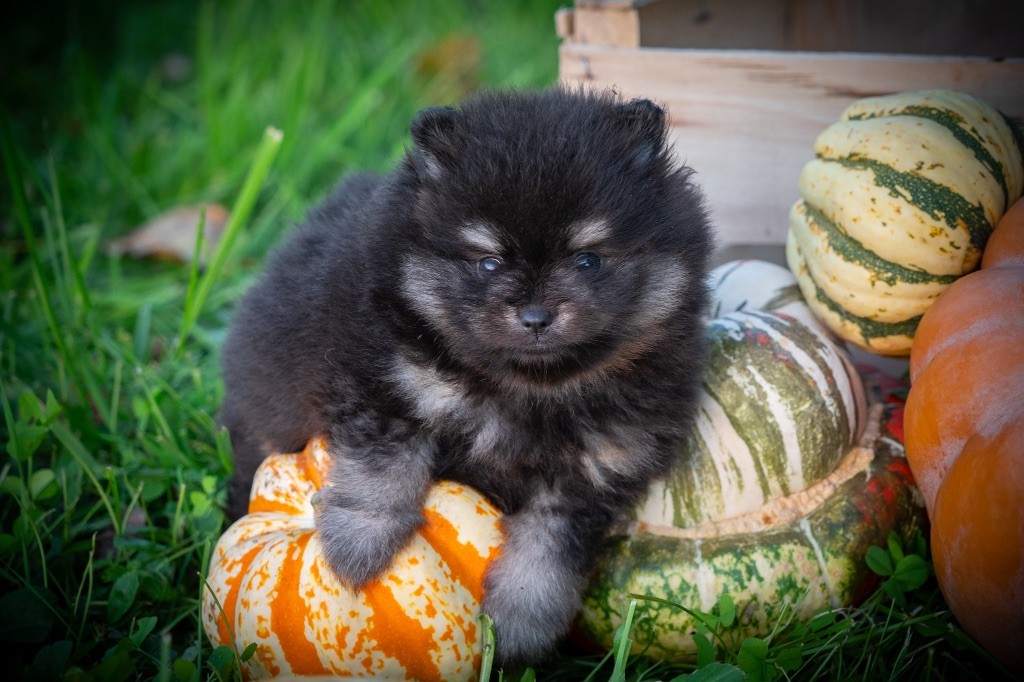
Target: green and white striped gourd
780,405
898,204
777,494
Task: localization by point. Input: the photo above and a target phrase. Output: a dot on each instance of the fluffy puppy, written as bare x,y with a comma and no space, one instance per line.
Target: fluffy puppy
516,307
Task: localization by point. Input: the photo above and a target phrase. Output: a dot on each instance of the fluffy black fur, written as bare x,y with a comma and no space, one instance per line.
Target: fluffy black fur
517,307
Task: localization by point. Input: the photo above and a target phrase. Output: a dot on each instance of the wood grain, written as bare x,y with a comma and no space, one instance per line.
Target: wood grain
746,120
611,25
986,28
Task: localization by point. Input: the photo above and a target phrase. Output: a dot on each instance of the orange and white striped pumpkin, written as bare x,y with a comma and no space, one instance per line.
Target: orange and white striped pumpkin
269,584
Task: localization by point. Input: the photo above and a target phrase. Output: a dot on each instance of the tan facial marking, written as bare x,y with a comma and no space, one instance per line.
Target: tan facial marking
588,233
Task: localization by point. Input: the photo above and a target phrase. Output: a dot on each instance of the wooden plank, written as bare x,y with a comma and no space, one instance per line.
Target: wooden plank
955,28
823,25
747,120
564,23
773,253
760,25
611,26
985,28
618,4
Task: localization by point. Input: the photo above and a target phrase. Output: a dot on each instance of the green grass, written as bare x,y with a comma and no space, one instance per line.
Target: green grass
113,477
112,481
903,631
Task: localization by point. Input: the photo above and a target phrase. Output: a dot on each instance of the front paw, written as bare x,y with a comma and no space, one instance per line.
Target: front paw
359,545
532,605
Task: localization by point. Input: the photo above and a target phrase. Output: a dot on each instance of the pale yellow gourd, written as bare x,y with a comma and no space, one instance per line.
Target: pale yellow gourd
898,204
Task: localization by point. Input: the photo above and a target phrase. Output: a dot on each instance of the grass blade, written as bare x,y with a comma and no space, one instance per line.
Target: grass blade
193,270
89,465
21,212
487,646
70,263
622,650
265,154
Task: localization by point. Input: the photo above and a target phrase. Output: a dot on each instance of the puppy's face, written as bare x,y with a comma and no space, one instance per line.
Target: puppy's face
575,302
546,248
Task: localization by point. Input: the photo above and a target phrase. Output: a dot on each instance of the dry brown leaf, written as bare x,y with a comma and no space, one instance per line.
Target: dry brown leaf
451,67
172,234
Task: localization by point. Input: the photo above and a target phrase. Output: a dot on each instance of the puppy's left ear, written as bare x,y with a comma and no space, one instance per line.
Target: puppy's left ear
646,120
433,137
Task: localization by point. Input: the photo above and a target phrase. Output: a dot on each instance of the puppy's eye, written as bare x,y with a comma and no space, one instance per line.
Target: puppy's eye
486,266
587,261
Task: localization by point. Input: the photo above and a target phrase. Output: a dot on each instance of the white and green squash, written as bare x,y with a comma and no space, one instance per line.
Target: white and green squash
781,488
899,203
781,403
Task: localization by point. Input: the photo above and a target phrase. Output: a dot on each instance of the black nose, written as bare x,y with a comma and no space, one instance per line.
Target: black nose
536,318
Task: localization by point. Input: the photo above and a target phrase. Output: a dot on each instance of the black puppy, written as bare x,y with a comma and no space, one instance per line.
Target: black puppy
517,307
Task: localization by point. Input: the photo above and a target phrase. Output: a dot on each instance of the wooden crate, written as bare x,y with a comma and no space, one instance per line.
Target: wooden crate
749,84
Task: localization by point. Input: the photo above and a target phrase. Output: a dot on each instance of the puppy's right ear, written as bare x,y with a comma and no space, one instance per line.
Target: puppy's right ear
432,135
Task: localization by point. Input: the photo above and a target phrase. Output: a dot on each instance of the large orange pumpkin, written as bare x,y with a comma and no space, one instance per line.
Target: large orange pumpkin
269,584
965,441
